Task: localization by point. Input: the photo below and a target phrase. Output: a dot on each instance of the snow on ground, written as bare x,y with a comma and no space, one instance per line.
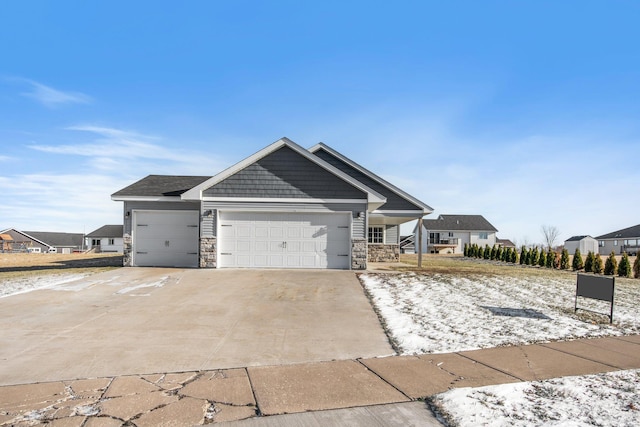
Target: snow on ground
22,285
74,282
440,313
611,399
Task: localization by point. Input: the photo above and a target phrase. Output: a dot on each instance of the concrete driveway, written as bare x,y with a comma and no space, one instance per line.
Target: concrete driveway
144,320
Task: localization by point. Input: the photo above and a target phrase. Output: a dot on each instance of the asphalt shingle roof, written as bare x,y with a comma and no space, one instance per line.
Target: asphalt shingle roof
161,186
57,239
625,233
459,223
576,238
107,231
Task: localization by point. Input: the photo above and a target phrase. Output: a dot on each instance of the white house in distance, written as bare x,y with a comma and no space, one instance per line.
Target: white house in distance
449,233
625,240
586,244
107,238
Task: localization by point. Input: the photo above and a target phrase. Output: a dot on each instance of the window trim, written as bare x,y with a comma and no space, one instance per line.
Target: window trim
371,233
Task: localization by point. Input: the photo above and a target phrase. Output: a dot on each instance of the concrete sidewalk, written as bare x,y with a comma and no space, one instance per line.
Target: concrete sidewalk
374,391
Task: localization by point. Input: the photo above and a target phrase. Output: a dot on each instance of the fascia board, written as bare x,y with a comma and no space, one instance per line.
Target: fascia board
196,192
426,208
146,198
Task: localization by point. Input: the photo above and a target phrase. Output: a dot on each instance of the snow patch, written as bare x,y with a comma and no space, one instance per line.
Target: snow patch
22,285
157,284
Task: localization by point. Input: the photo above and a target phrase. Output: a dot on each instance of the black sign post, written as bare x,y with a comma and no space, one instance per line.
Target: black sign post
596,287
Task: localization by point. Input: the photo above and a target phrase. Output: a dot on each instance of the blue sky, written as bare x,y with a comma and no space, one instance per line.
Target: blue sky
525,112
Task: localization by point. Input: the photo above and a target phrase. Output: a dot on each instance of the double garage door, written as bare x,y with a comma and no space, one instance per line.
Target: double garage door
284,240
165,238
245,239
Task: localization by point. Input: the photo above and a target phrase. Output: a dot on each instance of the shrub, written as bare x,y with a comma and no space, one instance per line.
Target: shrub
542,261
636,267
551,257
487,252
624,268
588,263
611,264
480,252
597,264
499,252
514,256
533,258
504,256
466,250
522,254
564,260
494,252
577,263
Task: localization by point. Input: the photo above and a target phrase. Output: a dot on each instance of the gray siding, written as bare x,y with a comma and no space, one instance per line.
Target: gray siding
208,227
284,174
394,201
155,206
392,235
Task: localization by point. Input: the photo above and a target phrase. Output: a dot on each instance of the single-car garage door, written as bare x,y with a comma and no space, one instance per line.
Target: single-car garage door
284,240
165,238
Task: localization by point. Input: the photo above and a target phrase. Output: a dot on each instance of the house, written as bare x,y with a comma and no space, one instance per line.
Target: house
625,240
282,207
407,245
586,244
505,243
41,241
449,233
107,238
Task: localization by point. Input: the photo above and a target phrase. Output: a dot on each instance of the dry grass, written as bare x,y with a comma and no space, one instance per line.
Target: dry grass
20,265
458,264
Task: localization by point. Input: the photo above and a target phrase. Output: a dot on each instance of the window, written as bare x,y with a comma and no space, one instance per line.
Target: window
112,241
95,242
451,234
376,235
601,243
483,236
615,243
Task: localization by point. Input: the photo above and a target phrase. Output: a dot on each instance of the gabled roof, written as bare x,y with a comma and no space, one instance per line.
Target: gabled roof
24,233
396,198
577,238
506,243
374,198
57,239
625,233
107,231
156,186
459,223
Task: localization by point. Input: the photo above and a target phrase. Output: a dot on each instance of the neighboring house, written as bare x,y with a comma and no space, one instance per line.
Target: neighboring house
586,244
407,245
449,233
625,240
43,241
283,207
107,238
505,243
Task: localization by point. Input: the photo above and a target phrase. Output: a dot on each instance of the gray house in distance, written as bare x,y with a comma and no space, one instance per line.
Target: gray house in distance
41,241
282,207
625,240
586,244
449,233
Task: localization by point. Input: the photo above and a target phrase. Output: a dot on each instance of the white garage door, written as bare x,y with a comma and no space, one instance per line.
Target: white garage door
165,238
284,240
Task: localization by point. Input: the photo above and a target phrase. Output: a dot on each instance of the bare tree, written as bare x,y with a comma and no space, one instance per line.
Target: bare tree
550,233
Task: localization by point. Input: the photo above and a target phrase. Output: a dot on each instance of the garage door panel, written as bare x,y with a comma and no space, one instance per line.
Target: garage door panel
294,240
166,238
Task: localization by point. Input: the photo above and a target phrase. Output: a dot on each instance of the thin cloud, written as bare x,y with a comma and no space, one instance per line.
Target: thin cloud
51,98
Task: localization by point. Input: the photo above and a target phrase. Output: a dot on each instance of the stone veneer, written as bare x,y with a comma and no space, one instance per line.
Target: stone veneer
378,252
127,247
208,252
358,254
